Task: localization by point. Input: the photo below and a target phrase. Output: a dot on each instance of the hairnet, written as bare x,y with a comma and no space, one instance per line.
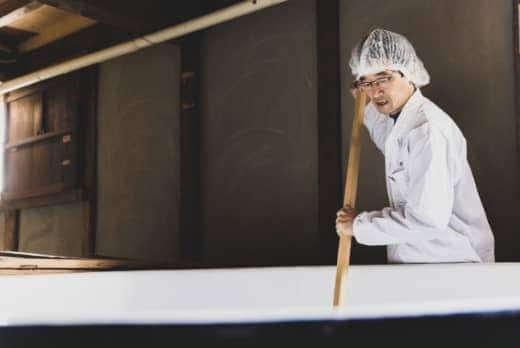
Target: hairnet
386,50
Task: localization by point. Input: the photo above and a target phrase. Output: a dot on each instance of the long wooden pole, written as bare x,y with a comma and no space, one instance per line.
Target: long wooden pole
350,195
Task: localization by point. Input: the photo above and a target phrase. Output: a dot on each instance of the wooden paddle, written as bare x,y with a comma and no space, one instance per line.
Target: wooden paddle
350,195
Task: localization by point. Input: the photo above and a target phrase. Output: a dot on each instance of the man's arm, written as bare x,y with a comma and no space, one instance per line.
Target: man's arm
429,200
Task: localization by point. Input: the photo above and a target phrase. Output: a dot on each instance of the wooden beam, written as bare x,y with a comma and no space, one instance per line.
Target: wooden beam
64,25
191,240
99,13
15,15
29,261
91,39
11,38
38,139
11,229
33,202
7,6
329,126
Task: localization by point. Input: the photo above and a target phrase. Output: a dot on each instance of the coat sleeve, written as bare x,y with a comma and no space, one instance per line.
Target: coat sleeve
429,201
376,125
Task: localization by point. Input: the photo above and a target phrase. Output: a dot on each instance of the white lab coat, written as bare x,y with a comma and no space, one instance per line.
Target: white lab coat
435,212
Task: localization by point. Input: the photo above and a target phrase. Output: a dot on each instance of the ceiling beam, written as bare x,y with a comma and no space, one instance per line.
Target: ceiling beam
91,39
7,6
52,32
98,13
15,15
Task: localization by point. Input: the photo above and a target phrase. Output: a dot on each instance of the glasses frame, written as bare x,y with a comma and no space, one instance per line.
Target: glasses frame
369,85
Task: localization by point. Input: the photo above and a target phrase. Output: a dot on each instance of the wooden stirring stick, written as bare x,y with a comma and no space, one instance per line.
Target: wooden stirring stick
350,195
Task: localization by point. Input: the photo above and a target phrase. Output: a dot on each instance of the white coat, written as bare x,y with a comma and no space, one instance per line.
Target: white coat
435,212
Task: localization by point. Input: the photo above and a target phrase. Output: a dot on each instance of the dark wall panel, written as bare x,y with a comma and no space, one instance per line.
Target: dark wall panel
259,131
139,155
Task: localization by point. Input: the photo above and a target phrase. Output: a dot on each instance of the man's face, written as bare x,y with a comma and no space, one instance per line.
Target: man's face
387,90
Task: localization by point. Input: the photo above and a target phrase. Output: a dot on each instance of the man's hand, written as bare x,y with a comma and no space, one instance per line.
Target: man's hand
344,221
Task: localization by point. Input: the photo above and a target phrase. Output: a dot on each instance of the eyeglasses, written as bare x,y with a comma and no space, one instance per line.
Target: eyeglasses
383,82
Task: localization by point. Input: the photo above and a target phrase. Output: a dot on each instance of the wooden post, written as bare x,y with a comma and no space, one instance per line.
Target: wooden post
88,155
11,229
190,228
329,125
350,195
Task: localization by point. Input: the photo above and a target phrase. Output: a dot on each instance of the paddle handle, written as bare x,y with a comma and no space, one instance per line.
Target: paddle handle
350,195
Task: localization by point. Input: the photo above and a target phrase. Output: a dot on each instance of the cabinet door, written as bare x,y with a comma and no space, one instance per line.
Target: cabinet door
41,151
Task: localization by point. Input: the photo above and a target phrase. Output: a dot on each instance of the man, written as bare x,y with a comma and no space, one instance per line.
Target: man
435,212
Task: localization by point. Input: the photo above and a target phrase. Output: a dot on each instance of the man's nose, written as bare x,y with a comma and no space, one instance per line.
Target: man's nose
377,91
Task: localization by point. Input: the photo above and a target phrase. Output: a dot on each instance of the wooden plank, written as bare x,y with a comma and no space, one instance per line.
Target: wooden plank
62,112
40,169
329,126
138,17
88,235
23,115
38,88
102,35
44,164
17,171
88,40
14,261
61,105
191,239
41,138
19,272
7,6
99,13
11,229
351,185
22,93
13,37
44,201
15,15
35,192
56,30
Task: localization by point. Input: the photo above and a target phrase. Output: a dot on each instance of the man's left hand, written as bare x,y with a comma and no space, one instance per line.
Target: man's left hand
344,221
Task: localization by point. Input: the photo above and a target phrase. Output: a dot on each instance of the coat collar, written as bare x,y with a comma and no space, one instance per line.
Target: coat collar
408,115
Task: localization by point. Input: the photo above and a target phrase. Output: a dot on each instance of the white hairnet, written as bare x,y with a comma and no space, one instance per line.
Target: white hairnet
386,50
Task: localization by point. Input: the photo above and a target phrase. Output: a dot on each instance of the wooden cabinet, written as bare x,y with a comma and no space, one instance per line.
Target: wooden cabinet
46,152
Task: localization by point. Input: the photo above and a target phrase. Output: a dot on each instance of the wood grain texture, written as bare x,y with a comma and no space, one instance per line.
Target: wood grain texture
41,155
351,185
